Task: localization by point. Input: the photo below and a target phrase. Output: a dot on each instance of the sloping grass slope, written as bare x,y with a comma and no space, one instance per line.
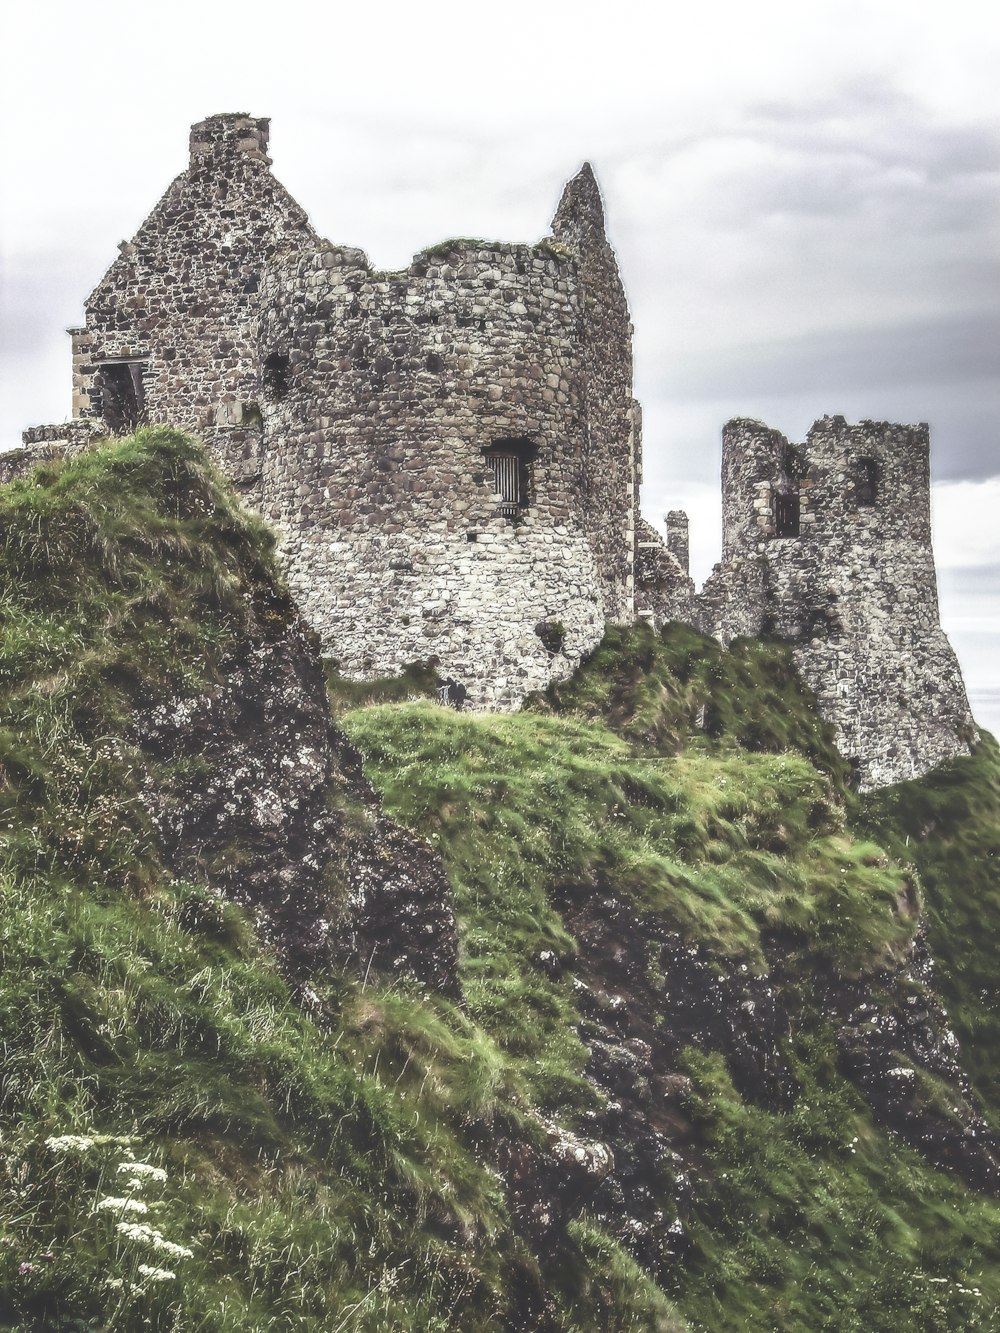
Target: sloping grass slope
740,836
185,1142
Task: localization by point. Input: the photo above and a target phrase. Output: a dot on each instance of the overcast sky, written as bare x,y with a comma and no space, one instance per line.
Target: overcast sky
805,200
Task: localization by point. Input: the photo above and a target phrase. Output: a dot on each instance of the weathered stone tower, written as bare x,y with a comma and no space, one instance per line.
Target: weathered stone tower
828,544
451,451
170,331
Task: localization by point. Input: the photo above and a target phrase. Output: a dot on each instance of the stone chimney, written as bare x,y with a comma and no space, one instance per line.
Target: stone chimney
677,537
227,136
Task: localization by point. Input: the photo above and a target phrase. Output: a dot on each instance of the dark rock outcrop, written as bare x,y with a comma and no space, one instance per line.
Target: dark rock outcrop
646,994
257,793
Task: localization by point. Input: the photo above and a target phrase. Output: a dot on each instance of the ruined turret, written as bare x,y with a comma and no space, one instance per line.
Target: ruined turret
828,544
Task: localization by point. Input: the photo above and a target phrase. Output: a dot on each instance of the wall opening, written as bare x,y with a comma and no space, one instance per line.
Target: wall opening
276,372
123,397
866,480
786,514
510,463
785,502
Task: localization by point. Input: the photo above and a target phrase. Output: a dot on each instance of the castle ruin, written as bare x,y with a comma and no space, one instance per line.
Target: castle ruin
451,455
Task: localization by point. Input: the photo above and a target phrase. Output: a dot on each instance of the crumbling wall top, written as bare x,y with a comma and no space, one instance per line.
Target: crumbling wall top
229,135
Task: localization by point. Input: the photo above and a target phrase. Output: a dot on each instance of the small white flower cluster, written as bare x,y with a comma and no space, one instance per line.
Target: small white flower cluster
69,1143
62,1143
139,1170
156,1274
155,1239
109,1204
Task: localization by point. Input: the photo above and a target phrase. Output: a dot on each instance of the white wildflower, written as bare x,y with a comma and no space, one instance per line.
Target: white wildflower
156,1274
136,1231
165,1246
112,1205
69,1143
155,1239
143,1169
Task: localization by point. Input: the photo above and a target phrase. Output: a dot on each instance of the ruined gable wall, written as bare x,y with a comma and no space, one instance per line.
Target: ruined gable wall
614,446
375,469
855,590
184,294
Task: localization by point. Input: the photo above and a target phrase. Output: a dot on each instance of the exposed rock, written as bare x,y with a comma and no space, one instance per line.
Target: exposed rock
896,1045
245,798
645,995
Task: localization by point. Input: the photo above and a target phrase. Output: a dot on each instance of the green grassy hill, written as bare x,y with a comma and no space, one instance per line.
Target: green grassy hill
679,936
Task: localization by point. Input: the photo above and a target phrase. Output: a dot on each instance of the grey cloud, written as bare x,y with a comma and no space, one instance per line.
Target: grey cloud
939,350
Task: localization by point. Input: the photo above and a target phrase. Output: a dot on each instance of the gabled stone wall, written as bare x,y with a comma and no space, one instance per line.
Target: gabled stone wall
181,300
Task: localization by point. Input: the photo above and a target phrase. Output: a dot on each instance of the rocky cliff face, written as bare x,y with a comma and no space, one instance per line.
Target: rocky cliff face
762,1040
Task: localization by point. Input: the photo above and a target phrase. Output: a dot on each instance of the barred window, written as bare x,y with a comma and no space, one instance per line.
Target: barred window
507,480
510,463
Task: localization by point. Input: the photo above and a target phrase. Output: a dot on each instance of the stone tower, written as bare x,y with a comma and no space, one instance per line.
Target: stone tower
828,544
451,452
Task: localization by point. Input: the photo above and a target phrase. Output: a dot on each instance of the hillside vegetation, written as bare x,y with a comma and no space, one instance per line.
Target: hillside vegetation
679,935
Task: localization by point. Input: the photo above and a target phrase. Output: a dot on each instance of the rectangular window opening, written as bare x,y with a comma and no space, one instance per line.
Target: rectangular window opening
786,515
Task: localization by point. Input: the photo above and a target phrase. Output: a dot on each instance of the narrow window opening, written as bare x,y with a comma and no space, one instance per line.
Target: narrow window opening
785,501
276,371
866,481
786,514
509,462
123,398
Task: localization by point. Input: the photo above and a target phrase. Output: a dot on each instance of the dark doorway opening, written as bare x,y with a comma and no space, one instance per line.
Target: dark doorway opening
277,368
123,398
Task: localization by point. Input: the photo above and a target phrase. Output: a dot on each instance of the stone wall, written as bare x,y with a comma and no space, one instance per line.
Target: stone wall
385,396
613,458
664,590
180,302
828,544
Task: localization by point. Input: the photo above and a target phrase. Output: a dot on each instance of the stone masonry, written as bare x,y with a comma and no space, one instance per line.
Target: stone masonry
828,544
451,455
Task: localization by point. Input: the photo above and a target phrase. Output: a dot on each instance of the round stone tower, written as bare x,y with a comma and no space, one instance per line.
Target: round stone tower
426,459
